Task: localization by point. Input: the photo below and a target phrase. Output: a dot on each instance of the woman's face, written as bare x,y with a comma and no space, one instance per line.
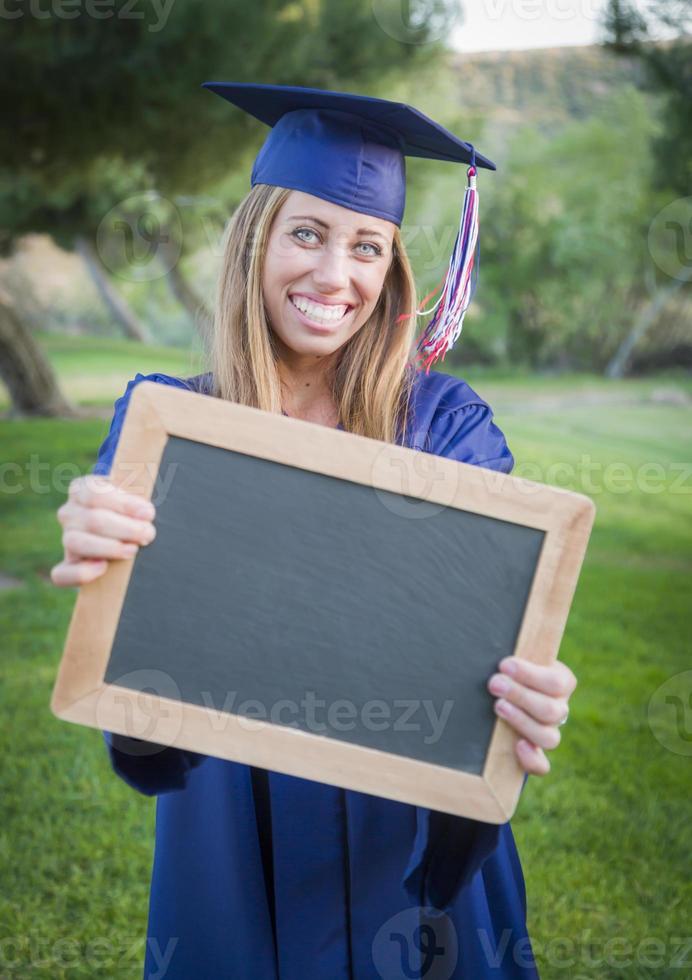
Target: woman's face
323,272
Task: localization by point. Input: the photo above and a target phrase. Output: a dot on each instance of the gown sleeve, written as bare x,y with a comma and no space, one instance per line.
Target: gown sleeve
149,768
448,850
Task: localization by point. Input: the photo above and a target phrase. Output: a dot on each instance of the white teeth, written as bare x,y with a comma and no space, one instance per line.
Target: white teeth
317,312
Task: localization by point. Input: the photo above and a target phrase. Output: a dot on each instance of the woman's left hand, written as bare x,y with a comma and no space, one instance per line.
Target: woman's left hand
536,700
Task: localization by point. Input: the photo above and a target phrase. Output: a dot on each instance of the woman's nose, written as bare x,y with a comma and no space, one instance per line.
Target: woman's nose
331,271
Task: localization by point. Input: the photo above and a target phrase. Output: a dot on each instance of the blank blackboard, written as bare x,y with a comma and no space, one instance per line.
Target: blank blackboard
289,584
283,572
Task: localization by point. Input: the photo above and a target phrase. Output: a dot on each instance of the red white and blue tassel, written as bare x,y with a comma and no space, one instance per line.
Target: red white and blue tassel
444,329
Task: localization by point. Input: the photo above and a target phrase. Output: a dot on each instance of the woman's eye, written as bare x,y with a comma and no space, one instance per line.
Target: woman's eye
303,234
373,249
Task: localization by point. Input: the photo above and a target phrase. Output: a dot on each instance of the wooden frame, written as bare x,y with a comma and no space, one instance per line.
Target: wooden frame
156,412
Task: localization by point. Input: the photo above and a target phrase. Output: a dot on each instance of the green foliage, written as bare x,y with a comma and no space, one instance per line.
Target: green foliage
637,32
564,236
98,107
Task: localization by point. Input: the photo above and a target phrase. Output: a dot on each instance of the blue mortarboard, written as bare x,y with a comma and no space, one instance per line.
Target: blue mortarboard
350,150
347,149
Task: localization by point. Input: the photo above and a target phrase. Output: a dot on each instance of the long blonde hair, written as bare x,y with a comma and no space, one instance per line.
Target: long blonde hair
373,377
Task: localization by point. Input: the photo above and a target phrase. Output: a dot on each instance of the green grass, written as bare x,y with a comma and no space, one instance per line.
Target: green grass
605,839
93,371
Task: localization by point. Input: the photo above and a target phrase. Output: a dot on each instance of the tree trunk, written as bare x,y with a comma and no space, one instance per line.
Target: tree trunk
116,305
183,291
29,377
617,365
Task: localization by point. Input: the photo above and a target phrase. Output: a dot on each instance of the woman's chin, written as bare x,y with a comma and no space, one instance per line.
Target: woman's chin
314,345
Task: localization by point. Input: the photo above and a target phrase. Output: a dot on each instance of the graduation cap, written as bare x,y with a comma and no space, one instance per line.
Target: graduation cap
350,150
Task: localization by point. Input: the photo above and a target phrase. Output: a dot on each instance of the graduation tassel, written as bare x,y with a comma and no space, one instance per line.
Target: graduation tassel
444,329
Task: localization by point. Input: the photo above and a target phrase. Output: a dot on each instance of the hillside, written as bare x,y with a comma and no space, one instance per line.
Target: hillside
543,88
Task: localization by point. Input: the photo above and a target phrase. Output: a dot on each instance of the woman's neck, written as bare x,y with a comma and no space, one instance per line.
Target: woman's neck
306,390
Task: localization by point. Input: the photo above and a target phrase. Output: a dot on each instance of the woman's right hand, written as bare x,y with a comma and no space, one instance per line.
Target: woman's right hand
100,523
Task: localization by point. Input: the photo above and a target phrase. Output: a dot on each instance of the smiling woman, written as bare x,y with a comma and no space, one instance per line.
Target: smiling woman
313,293
322,280
256,874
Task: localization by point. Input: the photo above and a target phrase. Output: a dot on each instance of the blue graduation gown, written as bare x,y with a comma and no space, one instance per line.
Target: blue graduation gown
262,876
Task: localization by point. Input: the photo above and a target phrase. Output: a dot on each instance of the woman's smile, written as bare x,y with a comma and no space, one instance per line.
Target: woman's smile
322,317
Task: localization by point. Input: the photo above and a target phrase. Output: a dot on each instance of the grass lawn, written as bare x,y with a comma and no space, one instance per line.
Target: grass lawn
605,839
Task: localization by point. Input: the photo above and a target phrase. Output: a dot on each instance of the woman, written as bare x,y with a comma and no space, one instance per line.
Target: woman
261,875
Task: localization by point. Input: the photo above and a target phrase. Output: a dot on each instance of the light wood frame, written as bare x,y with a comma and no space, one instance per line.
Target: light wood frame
156,412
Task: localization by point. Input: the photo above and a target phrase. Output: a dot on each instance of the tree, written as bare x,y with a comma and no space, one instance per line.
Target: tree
27,374
660,35
565,246
97,109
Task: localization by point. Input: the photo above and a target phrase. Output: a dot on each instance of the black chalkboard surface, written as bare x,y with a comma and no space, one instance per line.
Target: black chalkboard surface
297,611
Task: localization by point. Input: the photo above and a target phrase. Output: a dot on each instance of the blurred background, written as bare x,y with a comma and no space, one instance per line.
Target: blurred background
117,175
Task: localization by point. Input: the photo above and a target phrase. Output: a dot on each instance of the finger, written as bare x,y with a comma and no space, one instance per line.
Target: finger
544,736
544,708
532,758
84,545
107,523
77,573
97,491
555,679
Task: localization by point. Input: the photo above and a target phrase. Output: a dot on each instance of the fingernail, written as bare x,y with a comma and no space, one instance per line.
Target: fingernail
149,535
499,685
503,707
509,666
129,550
145,511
